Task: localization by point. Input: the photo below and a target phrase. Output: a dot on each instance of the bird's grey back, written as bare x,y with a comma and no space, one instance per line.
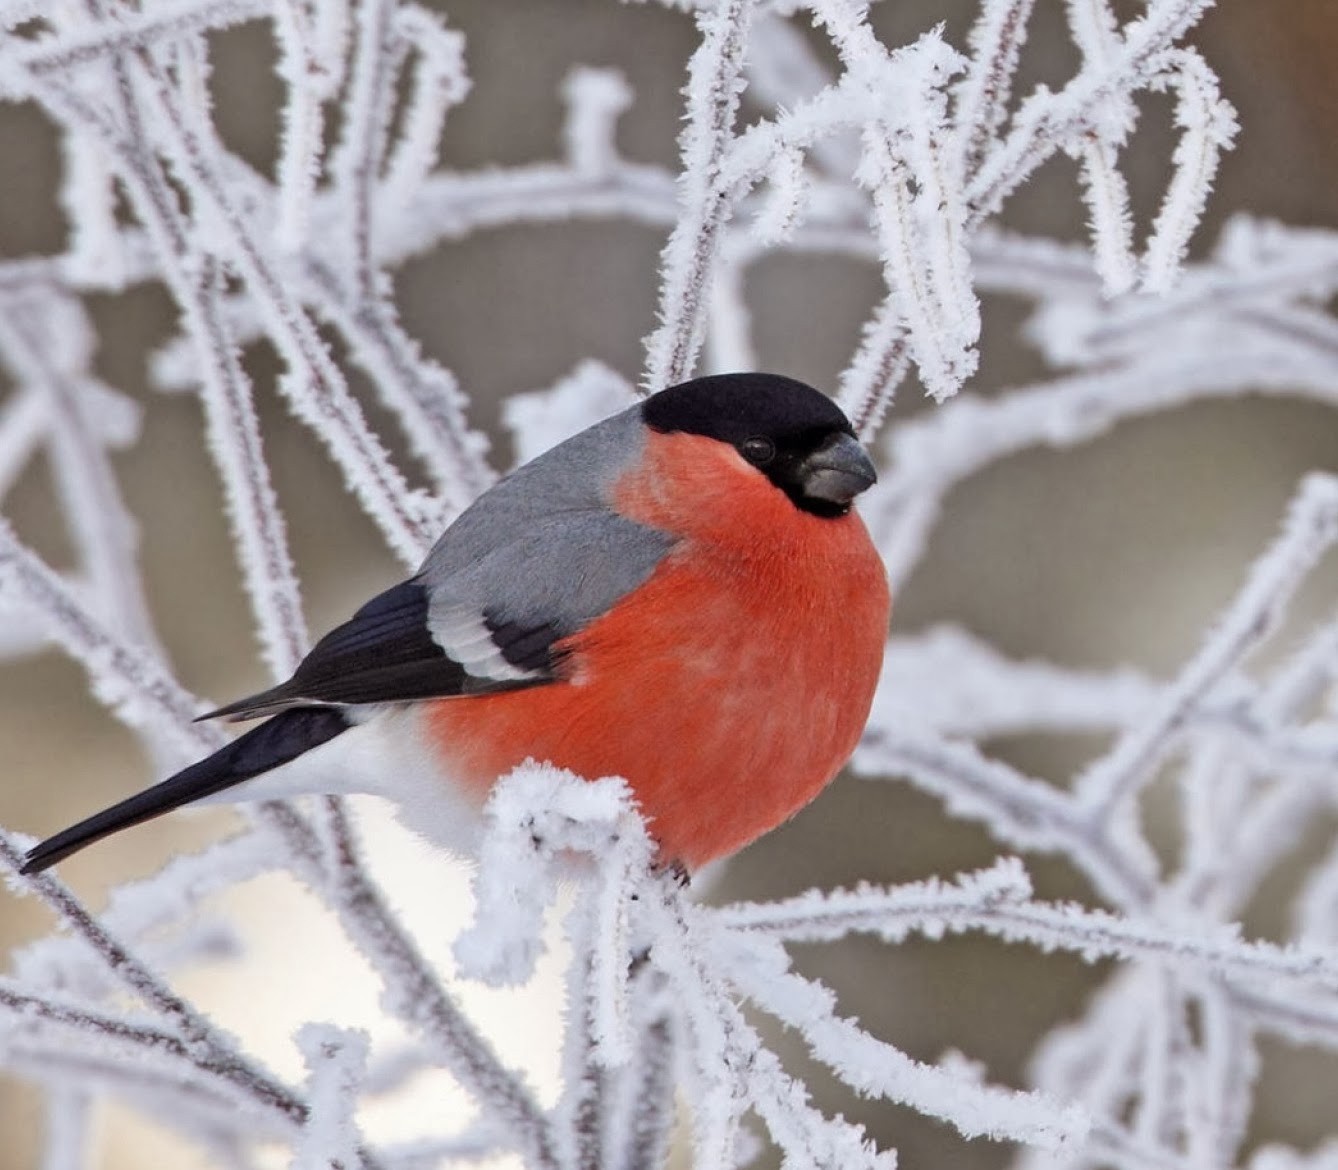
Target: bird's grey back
543,548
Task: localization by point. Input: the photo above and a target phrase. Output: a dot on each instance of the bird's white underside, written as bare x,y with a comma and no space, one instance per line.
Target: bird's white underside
387,754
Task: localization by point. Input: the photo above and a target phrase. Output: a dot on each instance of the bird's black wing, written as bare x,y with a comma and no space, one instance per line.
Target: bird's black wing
386,653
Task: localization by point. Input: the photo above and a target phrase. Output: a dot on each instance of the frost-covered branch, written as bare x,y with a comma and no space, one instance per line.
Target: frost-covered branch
713,98
1019,809
1311,528
414,993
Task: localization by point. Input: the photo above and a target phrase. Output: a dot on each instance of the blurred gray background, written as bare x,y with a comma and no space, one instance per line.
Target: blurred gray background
1118,552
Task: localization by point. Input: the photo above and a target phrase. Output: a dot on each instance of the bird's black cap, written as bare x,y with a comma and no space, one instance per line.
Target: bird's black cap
735,407
794,435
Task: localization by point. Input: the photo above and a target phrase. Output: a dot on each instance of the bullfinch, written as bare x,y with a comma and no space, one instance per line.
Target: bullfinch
680,595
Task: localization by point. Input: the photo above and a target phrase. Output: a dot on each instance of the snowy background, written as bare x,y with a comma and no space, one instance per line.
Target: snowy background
271,270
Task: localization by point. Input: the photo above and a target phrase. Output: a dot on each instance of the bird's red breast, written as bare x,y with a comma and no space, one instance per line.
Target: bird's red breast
730,687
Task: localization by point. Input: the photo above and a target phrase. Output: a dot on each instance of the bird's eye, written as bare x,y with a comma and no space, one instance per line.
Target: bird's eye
758,450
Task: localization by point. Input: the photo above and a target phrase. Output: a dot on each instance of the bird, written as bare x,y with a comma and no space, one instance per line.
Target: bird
680,595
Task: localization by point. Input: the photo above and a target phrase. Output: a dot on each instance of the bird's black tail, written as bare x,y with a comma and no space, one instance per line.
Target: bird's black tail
274,742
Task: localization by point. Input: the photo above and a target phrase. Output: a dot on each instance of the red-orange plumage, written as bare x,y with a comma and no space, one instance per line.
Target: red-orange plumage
730,687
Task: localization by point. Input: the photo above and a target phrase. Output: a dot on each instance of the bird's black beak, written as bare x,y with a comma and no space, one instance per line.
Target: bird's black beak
837,471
